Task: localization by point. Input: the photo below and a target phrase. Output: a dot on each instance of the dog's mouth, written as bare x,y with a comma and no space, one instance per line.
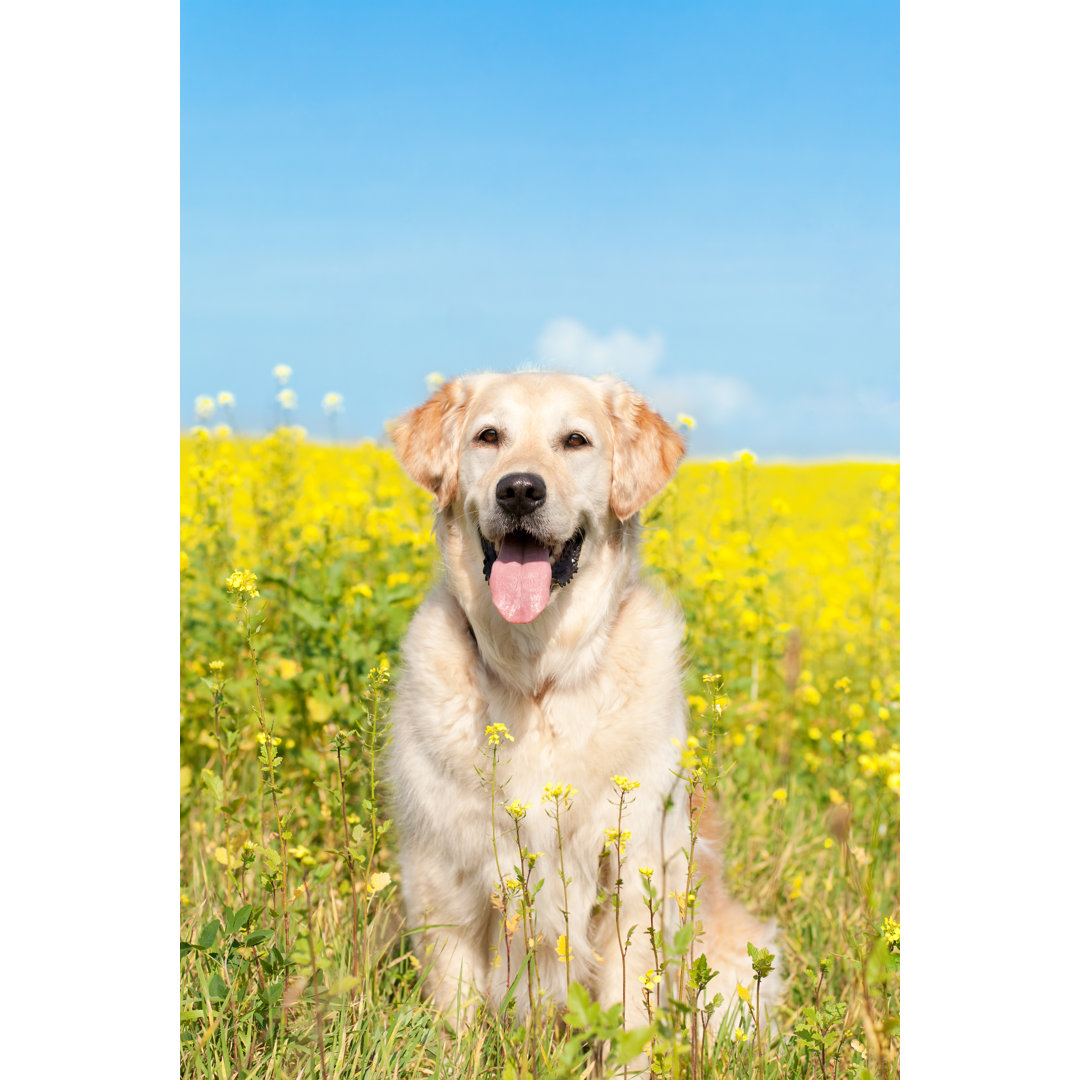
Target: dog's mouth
523,570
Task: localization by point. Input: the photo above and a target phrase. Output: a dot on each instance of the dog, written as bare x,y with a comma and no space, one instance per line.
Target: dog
543,625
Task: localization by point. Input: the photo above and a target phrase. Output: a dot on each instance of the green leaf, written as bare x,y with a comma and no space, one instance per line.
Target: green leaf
577,1006
628,1044
683,936
309,614
209,934
257,937
212,782
238,920
217,989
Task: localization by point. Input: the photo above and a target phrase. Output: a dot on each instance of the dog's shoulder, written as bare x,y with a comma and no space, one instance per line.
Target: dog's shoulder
440,639
649,622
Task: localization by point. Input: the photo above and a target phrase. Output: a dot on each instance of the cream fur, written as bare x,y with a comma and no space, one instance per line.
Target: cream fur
588,690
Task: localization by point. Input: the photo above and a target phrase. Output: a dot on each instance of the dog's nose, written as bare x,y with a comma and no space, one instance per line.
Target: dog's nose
521,493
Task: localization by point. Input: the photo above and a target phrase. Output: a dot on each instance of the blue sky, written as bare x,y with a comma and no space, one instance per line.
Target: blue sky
702,197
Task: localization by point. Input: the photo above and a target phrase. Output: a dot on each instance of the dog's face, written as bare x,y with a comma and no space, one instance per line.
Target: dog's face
539,465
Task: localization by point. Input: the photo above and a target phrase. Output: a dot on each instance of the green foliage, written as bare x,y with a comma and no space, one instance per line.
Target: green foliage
293,959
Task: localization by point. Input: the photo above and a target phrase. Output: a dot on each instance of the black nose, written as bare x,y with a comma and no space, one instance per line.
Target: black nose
521,493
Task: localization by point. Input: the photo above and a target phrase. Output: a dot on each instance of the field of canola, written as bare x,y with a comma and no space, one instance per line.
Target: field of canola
293,960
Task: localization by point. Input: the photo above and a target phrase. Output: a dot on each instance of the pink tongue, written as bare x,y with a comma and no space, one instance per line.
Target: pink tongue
521,579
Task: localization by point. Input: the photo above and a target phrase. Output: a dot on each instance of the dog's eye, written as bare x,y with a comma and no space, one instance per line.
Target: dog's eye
489,436
574,439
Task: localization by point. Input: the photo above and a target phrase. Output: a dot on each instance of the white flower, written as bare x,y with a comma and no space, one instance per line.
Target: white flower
204,407
282,373
226,400
434,380
287,399
333,402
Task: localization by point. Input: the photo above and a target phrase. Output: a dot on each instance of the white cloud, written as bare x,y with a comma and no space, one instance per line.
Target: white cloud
571,346
568,344
708,398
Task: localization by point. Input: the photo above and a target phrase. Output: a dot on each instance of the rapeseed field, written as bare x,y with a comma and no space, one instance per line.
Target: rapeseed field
301,565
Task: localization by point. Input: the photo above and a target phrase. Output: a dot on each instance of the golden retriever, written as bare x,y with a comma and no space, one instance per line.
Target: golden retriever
543,625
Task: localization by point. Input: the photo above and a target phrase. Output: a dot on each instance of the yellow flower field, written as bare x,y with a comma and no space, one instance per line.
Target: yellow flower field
301,565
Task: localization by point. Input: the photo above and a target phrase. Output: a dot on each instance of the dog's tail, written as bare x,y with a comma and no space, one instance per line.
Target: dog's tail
728,926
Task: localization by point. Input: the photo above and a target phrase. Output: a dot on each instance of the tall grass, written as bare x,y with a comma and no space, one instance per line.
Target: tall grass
294,961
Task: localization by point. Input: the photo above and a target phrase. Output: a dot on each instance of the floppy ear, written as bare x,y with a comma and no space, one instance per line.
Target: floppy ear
646,450
428,441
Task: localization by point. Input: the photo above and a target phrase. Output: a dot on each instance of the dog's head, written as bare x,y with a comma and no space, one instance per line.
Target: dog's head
540,465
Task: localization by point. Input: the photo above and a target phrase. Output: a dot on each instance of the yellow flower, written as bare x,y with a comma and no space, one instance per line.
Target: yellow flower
618,837
565,953
745,458
780,795
855,711
743,992
496,733
646,872
686,421
516,809
217,665
738,1035
624,785
433,380
554,792
242,583
377,883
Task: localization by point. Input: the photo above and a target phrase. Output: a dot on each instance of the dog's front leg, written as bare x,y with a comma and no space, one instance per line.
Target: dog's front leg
451,930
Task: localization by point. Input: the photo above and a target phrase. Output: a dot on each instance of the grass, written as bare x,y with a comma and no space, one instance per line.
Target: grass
293,959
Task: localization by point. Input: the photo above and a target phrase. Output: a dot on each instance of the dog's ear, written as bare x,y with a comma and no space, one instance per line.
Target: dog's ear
428,441
646,449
